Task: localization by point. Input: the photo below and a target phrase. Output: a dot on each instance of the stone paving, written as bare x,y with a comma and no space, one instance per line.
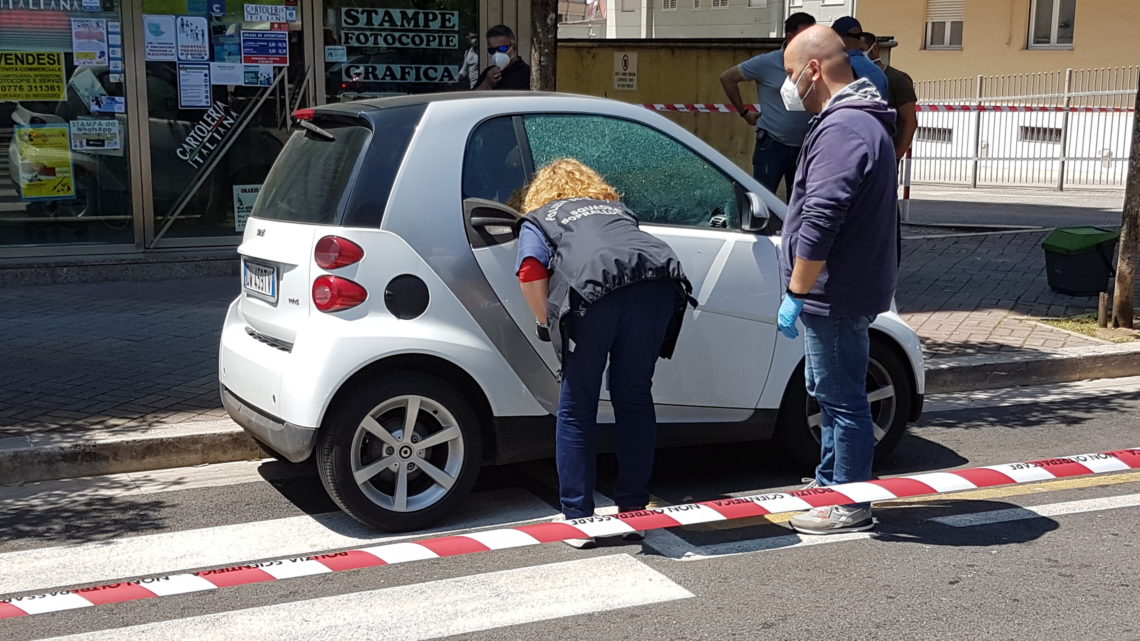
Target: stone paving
116,356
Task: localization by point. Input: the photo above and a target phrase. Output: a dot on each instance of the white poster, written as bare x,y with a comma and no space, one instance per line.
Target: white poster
336,53
244,198
94,135
266,13
194,90
160,38
227,73
625,71
89,42
193,38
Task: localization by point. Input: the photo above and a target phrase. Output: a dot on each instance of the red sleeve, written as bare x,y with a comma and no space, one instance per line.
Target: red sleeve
532,270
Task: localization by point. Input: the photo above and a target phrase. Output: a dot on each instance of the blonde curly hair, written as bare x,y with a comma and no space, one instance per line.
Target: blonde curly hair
566,178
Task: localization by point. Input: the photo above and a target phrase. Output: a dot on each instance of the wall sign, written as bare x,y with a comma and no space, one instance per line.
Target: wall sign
244,198
160,38
44,156
206,135
267,13
89,42
265,47
399,28
32,75
193,39
95,134
625,71
400,73
194,90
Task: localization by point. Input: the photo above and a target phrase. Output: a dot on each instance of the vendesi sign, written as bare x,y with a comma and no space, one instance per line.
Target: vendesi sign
399,28
207,134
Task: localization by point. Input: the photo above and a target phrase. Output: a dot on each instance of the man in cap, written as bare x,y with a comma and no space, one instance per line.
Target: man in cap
903,99
851,31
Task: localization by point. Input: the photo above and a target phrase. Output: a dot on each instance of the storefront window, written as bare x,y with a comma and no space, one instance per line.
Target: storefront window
64,166
223,78
375,49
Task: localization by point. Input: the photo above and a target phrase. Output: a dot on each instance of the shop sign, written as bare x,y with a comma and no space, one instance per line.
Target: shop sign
43,5
399,28
265,47
194,91
244,198
206,135
193,39
44,156
266,13
160,37
95,134
400,73
89,42
32,75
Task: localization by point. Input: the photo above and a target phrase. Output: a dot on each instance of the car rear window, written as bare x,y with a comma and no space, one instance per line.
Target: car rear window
308,183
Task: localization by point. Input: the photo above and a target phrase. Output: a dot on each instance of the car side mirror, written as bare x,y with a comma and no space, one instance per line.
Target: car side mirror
755,215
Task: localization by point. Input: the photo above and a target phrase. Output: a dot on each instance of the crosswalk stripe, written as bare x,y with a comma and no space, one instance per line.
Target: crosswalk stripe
430,610
150,554
1036,511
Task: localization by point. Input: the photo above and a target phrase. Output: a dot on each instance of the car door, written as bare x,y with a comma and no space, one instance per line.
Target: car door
725,348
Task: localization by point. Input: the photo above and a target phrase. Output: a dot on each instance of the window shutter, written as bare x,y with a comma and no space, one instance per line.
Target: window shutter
945,10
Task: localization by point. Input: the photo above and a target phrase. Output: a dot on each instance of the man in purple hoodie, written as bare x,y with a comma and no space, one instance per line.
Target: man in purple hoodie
840,257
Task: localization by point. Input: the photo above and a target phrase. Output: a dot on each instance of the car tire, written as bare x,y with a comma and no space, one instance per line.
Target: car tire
414,487
888,381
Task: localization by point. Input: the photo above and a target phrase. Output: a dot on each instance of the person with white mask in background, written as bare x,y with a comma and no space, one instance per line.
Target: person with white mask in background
507,70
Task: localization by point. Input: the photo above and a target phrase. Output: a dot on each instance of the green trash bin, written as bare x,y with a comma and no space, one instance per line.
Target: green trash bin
1078,260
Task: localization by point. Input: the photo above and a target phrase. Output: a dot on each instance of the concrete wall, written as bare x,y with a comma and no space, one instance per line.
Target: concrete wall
995,36
670,71
513,13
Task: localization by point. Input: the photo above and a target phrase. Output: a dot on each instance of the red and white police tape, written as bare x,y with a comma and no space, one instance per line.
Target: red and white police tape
596,526
723,108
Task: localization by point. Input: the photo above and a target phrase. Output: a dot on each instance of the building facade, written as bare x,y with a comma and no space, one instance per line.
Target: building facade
941,39
137,125
702,19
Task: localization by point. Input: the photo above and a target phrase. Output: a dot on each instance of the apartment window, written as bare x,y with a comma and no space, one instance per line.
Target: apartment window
944,21
719,4
757,4
696,4
1048,135
669,5
943,135
827,3
630,5
1051,23
797,3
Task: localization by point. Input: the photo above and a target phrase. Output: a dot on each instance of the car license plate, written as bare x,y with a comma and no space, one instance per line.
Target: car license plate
259,281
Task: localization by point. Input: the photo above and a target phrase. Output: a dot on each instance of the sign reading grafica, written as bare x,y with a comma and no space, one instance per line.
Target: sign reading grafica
399,28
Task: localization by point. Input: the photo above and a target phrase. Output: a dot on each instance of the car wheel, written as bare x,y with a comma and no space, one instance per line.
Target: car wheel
400,452
889,389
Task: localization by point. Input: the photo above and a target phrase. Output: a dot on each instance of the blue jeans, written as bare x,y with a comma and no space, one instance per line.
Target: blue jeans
837,351
773,161
627,327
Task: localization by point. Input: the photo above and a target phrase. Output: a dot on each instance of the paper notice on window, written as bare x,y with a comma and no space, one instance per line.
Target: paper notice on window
89,42
160,38
32,75
95,135
244,198
194,91
192,36
43,157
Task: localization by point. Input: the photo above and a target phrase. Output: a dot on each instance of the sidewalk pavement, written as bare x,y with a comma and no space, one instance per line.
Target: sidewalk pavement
97,361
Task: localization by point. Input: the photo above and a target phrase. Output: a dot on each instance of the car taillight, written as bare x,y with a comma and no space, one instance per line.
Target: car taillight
334,252
333,293
304,114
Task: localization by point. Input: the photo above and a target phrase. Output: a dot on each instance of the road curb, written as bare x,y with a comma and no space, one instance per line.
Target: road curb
991,371
25,460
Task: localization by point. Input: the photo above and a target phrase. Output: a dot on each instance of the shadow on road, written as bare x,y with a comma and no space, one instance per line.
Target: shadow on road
1059,414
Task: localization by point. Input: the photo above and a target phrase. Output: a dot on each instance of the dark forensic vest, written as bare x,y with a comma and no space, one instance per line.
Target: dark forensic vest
598,248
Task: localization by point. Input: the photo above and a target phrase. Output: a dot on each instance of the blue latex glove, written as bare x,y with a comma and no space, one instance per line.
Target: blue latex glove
789,311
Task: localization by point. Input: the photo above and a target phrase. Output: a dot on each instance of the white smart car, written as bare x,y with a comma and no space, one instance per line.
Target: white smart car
381,329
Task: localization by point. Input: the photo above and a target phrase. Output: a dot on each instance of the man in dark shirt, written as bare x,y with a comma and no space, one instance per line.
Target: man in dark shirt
513,75
902,99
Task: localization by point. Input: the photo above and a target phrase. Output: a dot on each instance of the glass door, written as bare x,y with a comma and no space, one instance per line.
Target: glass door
222,80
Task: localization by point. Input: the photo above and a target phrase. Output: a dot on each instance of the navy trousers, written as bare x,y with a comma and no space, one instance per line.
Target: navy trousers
627,327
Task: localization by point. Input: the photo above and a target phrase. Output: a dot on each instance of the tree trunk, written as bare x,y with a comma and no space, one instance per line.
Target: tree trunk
1123,299
543,45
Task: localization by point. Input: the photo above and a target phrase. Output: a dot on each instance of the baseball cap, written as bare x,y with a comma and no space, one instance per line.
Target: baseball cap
844,25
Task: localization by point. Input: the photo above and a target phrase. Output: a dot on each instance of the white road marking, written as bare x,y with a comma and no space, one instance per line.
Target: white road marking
430,610
677,548
1036,511
1010,396
238,543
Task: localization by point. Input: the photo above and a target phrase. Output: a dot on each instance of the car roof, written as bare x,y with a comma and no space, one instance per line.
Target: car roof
364,108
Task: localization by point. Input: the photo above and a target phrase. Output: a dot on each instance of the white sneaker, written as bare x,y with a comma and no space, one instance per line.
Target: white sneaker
581,544
833,519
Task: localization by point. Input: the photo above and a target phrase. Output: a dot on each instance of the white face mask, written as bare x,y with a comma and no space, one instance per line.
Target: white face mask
790,93
500,60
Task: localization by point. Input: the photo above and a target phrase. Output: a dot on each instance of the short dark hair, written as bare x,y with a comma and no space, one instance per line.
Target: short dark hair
869,38
501,31
797,21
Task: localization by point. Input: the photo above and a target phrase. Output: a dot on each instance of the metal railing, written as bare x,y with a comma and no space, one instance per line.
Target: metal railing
1059,129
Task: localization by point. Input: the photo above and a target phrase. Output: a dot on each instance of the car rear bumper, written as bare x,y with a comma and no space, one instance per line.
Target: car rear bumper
294,442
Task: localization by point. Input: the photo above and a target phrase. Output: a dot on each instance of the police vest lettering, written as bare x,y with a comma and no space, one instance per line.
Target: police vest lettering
361,18
400,73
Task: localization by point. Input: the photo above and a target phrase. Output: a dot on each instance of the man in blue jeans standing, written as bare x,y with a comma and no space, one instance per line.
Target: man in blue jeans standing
779,132
839,256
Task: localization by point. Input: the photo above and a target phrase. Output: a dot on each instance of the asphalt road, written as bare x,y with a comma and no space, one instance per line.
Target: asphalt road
1050,560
